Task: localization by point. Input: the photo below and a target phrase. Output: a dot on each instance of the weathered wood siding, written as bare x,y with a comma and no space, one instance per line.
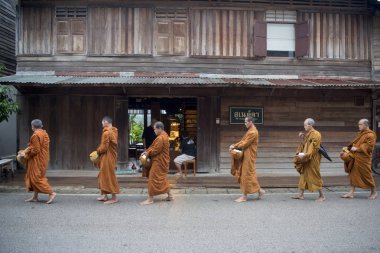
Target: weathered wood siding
217,32
338,35
120,31
211,40
72,122
7,37
334,111
36,31
376,47
188,64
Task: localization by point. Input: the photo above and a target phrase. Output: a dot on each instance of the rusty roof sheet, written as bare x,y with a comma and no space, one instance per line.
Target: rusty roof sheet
184,81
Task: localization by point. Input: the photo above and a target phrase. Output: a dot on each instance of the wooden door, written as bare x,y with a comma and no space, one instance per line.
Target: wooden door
207,136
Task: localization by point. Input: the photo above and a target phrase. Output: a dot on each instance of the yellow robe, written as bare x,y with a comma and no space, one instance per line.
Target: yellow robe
245,170
310,177
107,151
159,153
37,159
361,173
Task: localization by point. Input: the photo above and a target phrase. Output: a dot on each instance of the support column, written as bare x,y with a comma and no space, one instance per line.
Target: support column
122,124
155,110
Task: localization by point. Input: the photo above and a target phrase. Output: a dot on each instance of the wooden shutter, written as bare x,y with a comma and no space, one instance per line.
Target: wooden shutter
260,39
71,36
163,45
63,36
179,38
302,38
78,36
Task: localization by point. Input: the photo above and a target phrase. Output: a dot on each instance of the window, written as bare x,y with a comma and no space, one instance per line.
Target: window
280,40
70,30
281,36
281,33
171,32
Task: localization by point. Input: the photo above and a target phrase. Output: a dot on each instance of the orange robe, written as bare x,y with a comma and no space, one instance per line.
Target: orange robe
159,153
107,161
361,173
310,177
245,170
37,159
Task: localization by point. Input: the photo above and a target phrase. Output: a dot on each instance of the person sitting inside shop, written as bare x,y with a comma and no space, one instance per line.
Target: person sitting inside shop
188,150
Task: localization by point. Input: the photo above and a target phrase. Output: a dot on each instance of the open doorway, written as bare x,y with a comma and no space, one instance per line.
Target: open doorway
177,114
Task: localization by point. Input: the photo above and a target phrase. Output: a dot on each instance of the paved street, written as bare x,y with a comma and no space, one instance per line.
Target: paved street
192,223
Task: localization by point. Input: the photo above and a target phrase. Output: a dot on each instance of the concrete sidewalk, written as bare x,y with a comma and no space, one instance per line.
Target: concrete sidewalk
79,181
260,173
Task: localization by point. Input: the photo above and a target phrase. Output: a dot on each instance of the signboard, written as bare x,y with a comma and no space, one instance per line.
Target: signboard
238,114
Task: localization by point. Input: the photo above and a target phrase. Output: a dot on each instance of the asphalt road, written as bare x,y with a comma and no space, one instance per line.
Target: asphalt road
192,223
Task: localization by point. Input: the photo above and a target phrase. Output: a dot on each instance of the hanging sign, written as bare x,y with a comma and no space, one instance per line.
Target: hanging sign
238,114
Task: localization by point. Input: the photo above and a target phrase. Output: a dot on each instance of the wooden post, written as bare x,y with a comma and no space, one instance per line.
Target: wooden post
155,110
122,123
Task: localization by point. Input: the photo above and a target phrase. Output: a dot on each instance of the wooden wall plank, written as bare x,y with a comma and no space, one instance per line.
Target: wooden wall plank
338,35
121,31
36,35
219,32
318,35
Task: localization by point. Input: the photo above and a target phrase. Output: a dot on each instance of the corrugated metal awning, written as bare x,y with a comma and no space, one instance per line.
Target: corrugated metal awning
201,81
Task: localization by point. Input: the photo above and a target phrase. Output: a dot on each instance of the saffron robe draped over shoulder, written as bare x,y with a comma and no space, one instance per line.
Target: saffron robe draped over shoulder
107,151
37,159
245,169
159,154
361,173
310,177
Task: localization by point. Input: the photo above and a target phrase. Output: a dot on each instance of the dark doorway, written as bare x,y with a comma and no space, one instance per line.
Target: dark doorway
177,114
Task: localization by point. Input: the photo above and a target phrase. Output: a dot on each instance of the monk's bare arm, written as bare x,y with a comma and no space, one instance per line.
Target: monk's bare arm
246,141
34,147
104,143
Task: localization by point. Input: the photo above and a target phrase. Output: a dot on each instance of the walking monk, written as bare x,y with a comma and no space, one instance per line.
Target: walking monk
37,159
159,154
107,152
308,154
361,174
245,171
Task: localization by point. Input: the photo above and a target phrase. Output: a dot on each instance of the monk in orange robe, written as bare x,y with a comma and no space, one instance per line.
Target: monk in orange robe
159,154
308,154
37,159
107,152
361,173
245,170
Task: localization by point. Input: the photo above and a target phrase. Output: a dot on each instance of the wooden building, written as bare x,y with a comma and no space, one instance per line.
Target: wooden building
7,37
210,61
8,67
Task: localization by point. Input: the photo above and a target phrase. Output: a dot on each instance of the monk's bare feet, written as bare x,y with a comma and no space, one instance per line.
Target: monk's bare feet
373,196
241,199
146,202
347,196
102,198
51,198
261,194
32,199
299,196
320,199
111,201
